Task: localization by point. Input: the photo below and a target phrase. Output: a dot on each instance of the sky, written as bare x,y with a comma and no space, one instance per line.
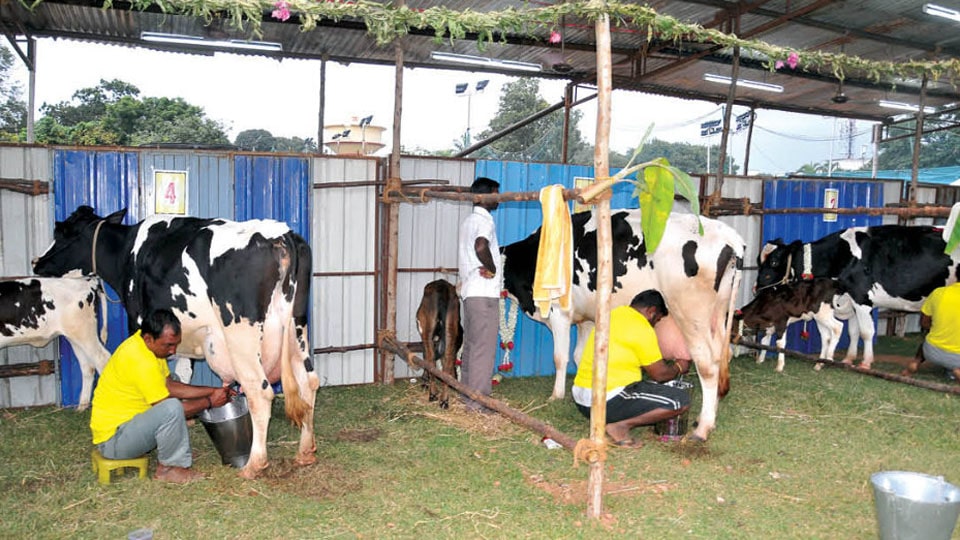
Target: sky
246,92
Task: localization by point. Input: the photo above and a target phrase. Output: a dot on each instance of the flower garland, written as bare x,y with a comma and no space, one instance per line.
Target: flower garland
508,327
387,23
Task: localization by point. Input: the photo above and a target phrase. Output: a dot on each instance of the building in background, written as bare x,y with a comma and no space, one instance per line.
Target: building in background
354,138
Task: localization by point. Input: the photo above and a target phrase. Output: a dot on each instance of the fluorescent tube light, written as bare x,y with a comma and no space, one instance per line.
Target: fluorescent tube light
484,61
756,85
940,11
904,106
180,39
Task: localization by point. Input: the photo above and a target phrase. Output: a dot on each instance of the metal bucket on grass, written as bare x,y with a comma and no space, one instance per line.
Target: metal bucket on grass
915,506
231,430
673,429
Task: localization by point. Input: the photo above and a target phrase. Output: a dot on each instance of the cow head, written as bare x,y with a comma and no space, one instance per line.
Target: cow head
775,261
73,242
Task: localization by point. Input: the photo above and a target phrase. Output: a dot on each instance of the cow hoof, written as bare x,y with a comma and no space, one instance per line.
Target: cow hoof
818,366
444,404
433,397
82,407
305,459
251,473
864,365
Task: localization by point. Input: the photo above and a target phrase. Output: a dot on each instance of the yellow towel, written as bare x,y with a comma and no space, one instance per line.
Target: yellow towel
554,273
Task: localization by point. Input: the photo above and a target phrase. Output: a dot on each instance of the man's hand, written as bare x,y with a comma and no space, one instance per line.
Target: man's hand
219,397
484,273
683,365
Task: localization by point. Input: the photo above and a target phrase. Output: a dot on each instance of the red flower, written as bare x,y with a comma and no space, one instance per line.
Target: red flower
510,345
458,362
804,335
494,382
503,293
507,366
503,345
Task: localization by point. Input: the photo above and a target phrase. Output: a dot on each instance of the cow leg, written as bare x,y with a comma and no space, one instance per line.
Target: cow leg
781,344
560,328
90,361
830,329
853,332
765,341
87,370
301,356
864,316
583,332
708,372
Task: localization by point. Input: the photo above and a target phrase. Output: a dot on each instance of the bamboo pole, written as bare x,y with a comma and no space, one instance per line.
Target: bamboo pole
601,158
389,343
917,137
27,187
948,388
43,367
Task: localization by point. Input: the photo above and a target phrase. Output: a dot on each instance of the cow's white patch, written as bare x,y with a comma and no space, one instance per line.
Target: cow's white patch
850,237
879,296
236,235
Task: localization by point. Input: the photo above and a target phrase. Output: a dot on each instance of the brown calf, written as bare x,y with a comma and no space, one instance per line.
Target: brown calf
438,321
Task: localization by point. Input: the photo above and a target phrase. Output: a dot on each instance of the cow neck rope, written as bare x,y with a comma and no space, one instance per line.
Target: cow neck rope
93,257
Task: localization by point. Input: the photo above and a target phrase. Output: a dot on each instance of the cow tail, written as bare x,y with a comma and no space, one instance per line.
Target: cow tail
723,385
294,405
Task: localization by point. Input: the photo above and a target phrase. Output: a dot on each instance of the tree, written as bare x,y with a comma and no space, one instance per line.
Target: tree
13,110
540,140
940,149
258,140
113,113
691,158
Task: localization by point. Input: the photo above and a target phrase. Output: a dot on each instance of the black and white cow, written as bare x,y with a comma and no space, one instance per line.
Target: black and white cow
438,321
240,290
697,275
35,310
887,266
773,309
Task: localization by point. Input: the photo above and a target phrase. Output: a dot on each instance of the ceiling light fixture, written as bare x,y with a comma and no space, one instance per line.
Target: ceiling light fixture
940,11
180,39
756,85
484,61
904,106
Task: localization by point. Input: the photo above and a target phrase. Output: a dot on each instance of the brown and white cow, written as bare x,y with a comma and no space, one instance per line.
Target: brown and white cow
35,310
698,275
773,309
240,290
438,321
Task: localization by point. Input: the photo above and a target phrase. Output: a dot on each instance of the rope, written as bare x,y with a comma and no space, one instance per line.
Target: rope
589,451
93,257
786,275
93,247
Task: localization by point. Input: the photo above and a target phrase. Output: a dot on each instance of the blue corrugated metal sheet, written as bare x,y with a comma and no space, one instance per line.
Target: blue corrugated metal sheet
107,181
209,179
533,352
274,187
810,227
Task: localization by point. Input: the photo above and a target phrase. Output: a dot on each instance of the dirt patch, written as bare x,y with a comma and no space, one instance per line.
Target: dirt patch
416,401
575,492
319,481
358,435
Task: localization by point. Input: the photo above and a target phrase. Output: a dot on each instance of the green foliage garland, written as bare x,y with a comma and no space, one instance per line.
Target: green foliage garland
387,23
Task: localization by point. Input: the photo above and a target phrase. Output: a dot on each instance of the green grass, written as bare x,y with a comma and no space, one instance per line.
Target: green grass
791,458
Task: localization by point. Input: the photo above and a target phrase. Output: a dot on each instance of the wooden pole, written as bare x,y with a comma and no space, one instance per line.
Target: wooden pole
917,137
393,212
43,367
601,159
727,113
389,343
948,388
565,144
746,150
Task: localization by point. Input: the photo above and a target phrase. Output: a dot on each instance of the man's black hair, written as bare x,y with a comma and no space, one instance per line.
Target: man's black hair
155,321
484,185
650,298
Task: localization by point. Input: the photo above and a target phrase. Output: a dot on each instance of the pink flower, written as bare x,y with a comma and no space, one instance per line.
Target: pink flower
793,60
282,12
778,64
555,37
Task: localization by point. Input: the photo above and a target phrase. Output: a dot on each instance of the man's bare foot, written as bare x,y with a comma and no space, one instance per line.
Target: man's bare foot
176,475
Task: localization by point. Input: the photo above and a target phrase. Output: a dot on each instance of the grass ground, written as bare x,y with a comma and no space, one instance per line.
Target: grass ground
791,458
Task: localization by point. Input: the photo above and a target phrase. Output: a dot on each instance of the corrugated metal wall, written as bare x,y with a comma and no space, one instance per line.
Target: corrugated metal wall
344,288
810,227
25,232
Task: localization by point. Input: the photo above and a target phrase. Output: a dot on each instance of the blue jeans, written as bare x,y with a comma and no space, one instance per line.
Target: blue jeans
163,427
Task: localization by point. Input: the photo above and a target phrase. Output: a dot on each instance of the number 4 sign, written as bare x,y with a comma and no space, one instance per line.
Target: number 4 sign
170,192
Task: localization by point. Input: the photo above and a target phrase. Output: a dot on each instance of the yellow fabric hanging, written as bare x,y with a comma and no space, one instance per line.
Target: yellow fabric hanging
554,273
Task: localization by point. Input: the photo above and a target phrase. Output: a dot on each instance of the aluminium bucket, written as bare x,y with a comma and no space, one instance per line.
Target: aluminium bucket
673,429
915,506
231,430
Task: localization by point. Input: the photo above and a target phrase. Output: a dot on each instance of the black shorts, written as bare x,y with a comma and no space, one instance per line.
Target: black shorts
642,397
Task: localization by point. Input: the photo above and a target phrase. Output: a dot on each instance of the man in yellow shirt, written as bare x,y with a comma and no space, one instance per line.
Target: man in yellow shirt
633,351
940,322
137,407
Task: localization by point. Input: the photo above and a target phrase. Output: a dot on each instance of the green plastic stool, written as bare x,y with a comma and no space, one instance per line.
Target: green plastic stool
103,466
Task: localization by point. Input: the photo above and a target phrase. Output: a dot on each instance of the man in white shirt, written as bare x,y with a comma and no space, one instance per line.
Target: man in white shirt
479,262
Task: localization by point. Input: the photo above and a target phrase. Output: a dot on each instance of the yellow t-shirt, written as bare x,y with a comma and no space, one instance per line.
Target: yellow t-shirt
943,306
132,381
633,344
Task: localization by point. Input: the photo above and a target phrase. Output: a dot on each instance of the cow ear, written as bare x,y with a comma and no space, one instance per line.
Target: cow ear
116,217
767,249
